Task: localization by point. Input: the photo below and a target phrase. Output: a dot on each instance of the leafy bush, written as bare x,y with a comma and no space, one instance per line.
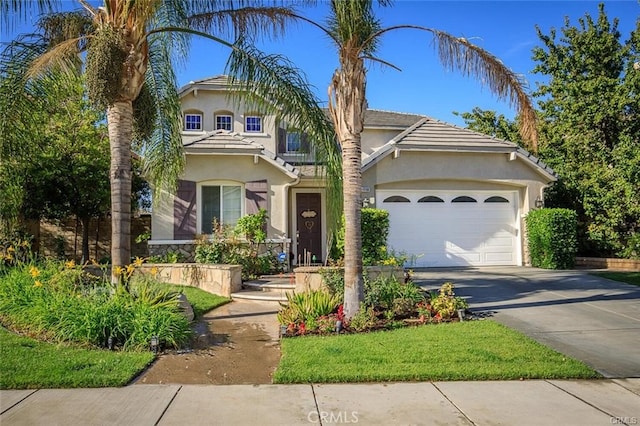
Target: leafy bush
364,319
552,238
445,304
383,291
333,279
225,247
375,230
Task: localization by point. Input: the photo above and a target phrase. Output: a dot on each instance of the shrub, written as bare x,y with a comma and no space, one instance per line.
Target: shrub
552,235
375,230
446,304
333,279
383,291
225,247
364,319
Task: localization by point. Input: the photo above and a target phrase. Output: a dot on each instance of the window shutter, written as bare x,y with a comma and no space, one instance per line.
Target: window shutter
256,196
282,140
184,211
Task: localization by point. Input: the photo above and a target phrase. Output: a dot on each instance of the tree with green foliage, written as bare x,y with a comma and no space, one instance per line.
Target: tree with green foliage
356,32
492,124
590,130
130,49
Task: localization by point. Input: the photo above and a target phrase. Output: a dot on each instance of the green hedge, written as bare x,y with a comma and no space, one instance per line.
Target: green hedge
375,230
553,241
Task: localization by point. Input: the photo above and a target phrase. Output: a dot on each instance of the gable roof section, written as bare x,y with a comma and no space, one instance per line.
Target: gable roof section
374,118
218,82
433,135
223,142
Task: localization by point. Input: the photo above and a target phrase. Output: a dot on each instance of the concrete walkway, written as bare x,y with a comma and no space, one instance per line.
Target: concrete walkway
536,402
586,317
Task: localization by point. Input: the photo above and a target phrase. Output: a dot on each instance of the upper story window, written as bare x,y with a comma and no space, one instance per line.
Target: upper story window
253,124
294,141
224,122
193,122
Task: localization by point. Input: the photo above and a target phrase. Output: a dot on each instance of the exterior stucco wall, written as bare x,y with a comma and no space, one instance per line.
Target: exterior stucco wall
375,138
456,170
229,168
209,103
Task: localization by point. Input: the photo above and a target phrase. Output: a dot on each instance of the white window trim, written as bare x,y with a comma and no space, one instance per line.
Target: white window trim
215,121
199,186
184,122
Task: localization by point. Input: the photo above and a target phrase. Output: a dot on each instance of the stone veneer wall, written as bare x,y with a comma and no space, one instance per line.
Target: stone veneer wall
310,278
185,251
608,263
217,279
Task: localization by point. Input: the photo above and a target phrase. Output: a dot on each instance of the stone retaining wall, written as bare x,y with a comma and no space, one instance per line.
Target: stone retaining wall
310,277
217,279
185,251
608,263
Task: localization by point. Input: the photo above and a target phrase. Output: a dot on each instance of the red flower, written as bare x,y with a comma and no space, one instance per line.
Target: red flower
341,313
301,328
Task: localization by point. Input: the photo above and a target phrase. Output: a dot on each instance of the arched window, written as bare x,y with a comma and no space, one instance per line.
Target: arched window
496,199
431,199
396,199
464,199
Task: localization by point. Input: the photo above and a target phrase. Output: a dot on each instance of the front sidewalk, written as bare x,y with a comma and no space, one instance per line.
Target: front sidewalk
526,402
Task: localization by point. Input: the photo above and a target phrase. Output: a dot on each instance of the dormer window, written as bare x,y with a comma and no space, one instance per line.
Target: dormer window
253,124
193,122
224,122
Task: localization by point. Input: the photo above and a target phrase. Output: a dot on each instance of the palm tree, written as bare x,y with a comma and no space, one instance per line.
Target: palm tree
356,32
131,47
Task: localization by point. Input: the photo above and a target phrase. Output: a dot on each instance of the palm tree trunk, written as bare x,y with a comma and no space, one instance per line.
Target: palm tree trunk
120,125
347,108
352,187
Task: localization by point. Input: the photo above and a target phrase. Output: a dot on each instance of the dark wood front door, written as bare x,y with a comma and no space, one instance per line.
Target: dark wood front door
309,225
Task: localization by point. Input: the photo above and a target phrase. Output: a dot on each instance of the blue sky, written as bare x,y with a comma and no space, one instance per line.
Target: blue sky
505,28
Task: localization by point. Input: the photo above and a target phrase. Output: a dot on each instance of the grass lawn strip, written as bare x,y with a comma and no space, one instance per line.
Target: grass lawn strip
28,364
474,350
632,278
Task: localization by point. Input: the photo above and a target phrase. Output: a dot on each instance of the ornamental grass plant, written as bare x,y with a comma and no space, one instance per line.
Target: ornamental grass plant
61,302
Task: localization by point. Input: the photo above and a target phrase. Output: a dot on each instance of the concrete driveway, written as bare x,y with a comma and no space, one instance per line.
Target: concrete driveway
586,317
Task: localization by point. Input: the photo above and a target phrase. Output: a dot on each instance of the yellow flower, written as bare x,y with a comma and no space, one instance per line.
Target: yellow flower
138,262
94,262
34,271
70,264
11,249
130,269
38,283
154,271
117,271
9,257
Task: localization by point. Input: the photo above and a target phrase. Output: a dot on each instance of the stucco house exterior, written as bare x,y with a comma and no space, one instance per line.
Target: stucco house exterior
455,197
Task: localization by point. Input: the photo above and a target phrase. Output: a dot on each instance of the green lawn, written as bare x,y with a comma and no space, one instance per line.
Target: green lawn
625,277
473,350
26,364
200,300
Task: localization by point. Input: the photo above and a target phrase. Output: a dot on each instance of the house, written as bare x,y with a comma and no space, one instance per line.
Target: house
455,197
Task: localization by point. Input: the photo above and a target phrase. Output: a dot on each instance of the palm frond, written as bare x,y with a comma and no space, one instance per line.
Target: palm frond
163,155
64,56
245,18
272,84
22,9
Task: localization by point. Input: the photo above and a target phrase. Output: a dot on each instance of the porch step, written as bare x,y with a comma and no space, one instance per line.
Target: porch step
267,296
269,288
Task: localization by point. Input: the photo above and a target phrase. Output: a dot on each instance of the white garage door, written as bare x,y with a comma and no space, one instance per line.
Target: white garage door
461,228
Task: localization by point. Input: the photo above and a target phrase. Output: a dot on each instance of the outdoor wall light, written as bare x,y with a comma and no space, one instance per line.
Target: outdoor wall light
539,202
154,344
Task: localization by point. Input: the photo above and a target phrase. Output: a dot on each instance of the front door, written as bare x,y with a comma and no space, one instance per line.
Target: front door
309,225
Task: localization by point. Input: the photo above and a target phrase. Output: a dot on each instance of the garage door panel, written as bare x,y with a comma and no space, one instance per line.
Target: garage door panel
454,234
